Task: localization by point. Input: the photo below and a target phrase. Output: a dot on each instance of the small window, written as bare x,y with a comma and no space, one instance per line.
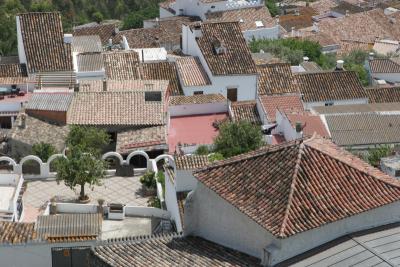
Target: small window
197,92
328,104
397,173
152,96
212,6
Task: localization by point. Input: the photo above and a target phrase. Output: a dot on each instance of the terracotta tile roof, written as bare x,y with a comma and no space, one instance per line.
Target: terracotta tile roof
364,129
303,20
121,65
191,162
191,72
90,62
358,108
50,101
323,6
37,131
16,80
124,85
237,57
104,31
147,139
347,8
162,71
140,38
246,16
196,99
86,43
329,86
321,38
69,227
170,250
385,47
276,79
311,123
16,233
281,102
362,27
115,108
43,41
13,70
9,60
245,111
384,65
383,95
283,179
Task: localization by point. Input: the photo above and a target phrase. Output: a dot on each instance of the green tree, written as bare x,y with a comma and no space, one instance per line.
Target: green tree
98,17
83,163
375,154
43,150
202,150
272,7
237,137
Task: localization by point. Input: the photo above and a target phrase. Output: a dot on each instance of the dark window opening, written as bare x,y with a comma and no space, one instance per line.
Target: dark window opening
152,96
197,92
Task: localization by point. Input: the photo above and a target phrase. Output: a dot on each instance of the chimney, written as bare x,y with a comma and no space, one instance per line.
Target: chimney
104,85
347,13
371,56
299,127
277,20
22,122
293,33
110,42
197,31
306,59
339,64
68,38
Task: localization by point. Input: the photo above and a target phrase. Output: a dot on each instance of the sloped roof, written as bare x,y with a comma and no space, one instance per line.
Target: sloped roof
383,95
384,65
364,129
50,101
245,111
69,227
162,71
192,72
275,186
16,233
282,102
237,58
196,99
121,65
43,41
303,20
147,139
276,78
90,62
311,124
246,16
13,70
170,250
127,108
86,43
140,38
124,85
104,31
191,162
329,86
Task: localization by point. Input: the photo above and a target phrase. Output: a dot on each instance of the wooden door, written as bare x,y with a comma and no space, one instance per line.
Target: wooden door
232,94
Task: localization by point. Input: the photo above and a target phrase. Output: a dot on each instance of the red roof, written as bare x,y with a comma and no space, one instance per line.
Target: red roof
192,130
311,123
282,102
298,186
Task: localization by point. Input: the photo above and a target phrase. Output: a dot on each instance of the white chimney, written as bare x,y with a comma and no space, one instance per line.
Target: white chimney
68,38
110,42
315,27
197,31
371,56
306,59
347,13
293,33
22,122
339,64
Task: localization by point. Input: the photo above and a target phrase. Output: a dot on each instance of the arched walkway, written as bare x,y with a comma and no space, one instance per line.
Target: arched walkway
10,162
138,153
113,154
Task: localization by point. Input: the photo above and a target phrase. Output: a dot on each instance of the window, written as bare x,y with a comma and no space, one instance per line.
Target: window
328,104
212,6
152,96
197,92
232,94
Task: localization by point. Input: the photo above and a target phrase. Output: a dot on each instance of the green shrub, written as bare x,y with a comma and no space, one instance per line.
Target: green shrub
202,150
215,156
375,154
154,202
161,180
148,180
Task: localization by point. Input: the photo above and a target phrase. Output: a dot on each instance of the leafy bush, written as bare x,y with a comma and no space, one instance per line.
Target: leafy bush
375,154
215,156
272,7
148,180
43,150
202,150
161,180
154,202
238,137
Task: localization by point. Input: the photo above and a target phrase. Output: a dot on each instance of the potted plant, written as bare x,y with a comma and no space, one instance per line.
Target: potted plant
149,183
53,206
100,209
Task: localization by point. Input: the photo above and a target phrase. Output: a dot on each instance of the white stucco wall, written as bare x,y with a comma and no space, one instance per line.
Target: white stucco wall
262,33
310,105
185,181
21,49
193,109
285,127
246,84
172,202
388,77
261,111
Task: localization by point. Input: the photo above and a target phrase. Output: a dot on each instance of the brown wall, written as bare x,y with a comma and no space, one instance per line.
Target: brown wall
59,117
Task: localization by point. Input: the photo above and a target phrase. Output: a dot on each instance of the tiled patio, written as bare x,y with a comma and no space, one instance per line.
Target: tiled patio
125,190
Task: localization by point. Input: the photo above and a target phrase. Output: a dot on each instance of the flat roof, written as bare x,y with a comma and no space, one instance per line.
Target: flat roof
196,129
8,188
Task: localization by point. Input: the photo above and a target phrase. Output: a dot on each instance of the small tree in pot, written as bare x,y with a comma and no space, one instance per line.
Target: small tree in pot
149,183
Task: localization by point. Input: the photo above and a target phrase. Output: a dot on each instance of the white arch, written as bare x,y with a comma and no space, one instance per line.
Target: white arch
138,152
53,157
10,161
171,160
31,157
113,154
